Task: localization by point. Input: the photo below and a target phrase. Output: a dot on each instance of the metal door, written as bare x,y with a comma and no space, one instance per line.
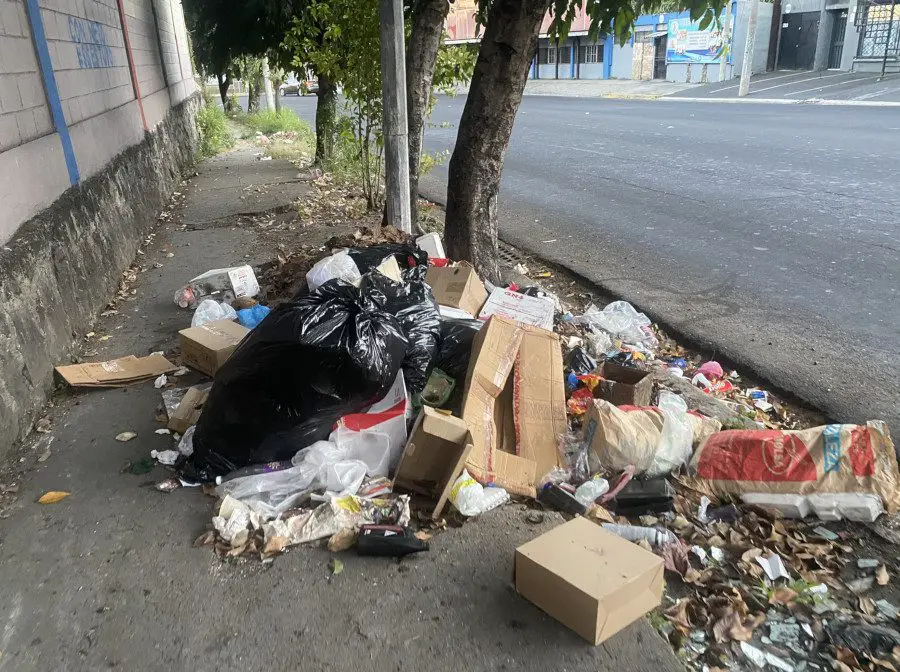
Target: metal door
659,57
798,41
837,40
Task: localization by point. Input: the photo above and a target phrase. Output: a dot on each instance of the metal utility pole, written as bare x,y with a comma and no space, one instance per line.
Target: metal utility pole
887,41
396,130
267,84
747,65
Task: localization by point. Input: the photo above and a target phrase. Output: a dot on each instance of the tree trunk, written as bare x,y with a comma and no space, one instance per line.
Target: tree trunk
224,83
277,99
494,96
421,56
326,113
253,93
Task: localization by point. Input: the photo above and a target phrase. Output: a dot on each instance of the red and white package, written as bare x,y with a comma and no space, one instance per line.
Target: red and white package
387,416
835,471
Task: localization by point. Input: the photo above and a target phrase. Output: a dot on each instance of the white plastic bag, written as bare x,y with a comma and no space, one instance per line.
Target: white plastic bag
210,311
186,444
338,265
677,436
471,498
620,319
372,448
344,477
272,492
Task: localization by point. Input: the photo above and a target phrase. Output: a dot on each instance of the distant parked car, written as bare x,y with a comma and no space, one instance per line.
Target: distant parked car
310,86
291,88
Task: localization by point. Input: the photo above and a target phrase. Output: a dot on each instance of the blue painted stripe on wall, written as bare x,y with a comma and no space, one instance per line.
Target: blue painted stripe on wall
59,119
608,45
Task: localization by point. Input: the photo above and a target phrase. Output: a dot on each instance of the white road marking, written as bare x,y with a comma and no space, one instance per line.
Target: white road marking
828,86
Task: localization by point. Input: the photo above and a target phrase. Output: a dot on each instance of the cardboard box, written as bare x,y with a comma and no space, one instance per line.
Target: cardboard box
206,348
514,404
588,579
457,287
536,311
434,456
115,372
188,411
624,385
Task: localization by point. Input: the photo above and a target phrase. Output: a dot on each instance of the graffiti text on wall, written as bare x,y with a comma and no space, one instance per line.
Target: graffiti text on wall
90,44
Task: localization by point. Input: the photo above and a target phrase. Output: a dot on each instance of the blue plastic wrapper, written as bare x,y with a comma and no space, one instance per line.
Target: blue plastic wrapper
250,317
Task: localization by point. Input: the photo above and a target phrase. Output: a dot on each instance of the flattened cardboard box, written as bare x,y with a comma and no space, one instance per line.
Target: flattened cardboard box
115,372
457,287
514,405
434,456
588,579
207,347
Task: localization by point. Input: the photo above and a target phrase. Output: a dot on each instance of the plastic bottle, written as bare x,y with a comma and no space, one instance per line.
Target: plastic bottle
590,490
637,533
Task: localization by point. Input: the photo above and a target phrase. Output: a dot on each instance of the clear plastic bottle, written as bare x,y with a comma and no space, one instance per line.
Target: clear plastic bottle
637,533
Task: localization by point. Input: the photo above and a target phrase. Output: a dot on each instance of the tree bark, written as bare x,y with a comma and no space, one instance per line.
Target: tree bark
494,96
421,56
253,92
224,83
326,113
277,100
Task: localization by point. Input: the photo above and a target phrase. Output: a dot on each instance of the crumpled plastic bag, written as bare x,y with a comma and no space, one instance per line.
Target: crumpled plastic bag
621,320
211,311
312,360
338,265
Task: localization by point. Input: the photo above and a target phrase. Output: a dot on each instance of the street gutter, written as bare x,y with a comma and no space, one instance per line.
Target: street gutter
774,378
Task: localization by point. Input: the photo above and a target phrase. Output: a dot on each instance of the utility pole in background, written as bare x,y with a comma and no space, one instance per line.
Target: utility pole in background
747,65
396,130
726,45
267,84
887,41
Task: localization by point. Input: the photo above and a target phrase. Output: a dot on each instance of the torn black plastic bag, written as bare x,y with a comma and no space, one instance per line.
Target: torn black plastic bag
455,347
310,361
413,304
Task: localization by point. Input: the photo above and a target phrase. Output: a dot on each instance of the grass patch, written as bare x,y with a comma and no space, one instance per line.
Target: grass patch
214,134
270,121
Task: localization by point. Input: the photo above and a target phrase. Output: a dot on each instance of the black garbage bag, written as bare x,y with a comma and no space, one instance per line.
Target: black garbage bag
455,347
579,362
310,361
408,256
413,304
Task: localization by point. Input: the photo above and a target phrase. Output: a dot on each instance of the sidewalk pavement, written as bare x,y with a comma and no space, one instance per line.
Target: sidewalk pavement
108,578
824,87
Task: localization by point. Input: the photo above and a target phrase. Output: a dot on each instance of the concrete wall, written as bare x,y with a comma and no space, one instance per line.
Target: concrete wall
621,61
63,118
96,127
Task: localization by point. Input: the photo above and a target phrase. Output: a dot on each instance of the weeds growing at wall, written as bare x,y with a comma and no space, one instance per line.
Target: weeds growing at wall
214,134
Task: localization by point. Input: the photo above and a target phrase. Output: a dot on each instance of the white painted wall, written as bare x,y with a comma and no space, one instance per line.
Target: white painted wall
99,102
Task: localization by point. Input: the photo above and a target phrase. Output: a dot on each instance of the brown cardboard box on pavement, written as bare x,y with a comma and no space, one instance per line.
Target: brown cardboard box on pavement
434,456
624,385
458,287
588,579
207,347
188,411
514,404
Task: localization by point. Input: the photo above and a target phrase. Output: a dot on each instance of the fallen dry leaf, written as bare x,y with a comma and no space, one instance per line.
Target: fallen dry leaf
732,627
125,436
882,576
336,566
341,541
53,497
205,539
275,545
783,595
867,606
752,554
678,615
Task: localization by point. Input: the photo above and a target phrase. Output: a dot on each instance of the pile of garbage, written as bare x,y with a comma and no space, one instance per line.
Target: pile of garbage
384,382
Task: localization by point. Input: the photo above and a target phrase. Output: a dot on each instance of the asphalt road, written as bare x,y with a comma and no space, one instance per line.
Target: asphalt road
767,234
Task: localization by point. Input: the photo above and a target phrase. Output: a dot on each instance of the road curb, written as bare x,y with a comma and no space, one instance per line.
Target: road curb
783,101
